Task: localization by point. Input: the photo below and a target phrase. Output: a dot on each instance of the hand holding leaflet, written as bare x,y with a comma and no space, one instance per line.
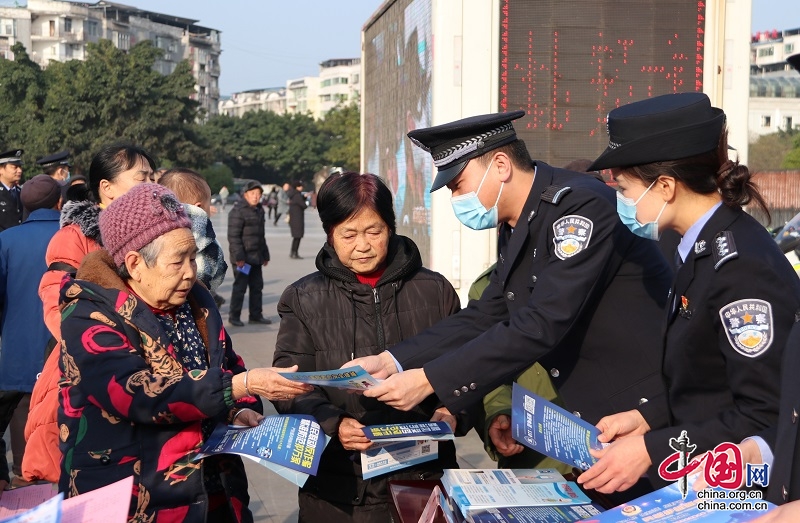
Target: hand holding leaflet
350,378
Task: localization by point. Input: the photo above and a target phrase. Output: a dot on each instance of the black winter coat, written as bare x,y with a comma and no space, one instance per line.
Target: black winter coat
297,211
246,234
327,318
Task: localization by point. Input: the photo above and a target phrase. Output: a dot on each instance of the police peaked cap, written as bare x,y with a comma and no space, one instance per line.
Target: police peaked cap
453,144
59,158
13,156
667,127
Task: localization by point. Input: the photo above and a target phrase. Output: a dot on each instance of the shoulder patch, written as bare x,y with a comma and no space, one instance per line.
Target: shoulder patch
748,326
724,249
554,193
571,235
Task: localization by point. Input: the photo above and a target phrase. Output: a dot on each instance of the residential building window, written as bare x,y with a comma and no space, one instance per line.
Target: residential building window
326,83
766,51
325,98
68,25
355,78
787,122
10,29
788,48
766,121
92,28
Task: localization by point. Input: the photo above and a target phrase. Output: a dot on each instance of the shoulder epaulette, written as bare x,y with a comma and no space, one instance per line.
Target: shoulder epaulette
554,193
724,249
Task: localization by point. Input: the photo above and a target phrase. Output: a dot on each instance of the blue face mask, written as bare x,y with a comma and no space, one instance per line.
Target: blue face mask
471,212
626,208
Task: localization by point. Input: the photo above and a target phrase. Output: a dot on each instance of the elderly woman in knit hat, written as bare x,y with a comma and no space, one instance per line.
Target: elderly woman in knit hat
150,370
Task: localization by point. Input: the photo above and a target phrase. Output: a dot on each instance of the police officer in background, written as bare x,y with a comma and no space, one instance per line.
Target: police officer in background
568,274
10,177
735,295
56,166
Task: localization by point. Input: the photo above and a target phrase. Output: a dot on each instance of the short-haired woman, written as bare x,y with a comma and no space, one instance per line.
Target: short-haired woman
370,291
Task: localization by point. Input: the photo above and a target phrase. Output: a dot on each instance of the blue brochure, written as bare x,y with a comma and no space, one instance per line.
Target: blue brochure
289,444
551,430
668,506
435,430
352,378
565,514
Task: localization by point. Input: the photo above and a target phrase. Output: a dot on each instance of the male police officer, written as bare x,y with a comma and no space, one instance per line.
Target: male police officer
56,166
10,176
568,271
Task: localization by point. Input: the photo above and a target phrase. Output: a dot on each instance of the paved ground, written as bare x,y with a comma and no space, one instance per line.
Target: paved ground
274,499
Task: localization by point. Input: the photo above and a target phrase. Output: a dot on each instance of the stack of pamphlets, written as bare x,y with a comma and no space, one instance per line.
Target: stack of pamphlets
518,495
290,445
402,445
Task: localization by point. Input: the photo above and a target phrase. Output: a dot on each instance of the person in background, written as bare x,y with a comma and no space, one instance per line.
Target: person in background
272,203
734,297
76,189
297,211
157,174
283,203
24,334
115,169
194,193
249,252
144,411
10,177
223,196
370,291
56,165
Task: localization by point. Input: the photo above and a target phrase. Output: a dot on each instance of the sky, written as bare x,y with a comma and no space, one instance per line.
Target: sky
267,42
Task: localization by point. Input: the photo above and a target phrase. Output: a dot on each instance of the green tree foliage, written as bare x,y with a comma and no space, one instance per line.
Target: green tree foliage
792,158
111,96
768,152
342,127
218,175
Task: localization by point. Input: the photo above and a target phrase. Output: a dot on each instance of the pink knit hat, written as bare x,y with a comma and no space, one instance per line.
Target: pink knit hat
138,217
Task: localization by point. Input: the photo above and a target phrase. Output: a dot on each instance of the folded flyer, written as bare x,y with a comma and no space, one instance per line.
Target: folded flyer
453,477
435,430
351,378
667,505
385,457
289,444
47,512
551,514
551,430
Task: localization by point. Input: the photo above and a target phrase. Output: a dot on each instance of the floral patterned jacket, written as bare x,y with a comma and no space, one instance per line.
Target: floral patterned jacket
128,407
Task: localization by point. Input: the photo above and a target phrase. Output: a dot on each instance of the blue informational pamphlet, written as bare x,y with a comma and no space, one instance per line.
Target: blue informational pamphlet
352,378
289,444
47,512
551,430
565,514
435,430
667,505
388,456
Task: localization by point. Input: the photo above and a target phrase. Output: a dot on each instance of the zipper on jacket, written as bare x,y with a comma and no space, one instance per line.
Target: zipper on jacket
378,320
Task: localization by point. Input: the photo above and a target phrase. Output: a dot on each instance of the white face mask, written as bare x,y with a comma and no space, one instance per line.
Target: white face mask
470,211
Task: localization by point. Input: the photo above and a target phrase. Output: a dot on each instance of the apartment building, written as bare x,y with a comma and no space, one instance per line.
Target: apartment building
59,30
774,84
339,81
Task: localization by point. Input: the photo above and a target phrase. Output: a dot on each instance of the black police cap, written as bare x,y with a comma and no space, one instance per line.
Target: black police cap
59,158
453,144
13,156
667,127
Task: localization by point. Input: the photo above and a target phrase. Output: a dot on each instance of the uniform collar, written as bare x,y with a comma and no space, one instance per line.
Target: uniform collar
690,238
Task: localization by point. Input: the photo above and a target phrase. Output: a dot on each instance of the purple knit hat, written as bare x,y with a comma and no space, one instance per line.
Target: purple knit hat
138,217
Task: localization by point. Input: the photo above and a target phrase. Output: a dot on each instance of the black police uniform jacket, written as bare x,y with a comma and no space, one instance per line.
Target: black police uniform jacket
10,209
329,317
783,438
575,290
735,298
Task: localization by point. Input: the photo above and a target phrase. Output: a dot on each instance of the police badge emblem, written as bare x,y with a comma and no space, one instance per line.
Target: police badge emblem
748,326
571,235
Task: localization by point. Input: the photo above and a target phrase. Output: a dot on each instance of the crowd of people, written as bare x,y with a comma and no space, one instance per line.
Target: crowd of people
116,361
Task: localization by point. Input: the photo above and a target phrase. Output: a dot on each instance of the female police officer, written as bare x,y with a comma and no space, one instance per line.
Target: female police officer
734,295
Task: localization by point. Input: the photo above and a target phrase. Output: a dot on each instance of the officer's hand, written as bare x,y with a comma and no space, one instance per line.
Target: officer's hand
403,391
442,414
381,366
351,435
240,264
621,465
629,423
500,433
788,513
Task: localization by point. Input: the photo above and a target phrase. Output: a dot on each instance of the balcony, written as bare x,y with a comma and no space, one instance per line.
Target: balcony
63,36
